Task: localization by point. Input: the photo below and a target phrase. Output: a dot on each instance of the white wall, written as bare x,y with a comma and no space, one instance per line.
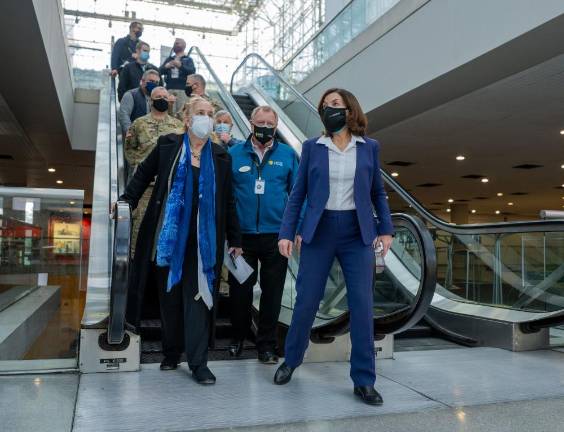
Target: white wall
49,15
85,119
403,51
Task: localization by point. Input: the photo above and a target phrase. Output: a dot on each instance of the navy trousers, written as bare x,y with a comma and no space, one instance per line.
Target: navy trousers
337,236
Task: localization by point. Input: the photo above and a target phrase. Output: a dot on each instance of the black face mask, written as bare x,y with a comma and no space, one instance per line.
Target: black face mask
161,105
334,119
138,34
263,134
188,90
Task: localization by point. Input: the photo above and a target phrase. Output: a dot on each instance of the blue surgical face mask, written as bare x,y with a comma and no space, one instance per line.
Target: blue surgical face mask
144,56
222,128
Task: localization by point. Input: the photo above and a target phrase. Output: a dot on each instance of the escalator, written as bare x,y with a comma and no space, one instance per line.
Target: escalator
498,284
400,302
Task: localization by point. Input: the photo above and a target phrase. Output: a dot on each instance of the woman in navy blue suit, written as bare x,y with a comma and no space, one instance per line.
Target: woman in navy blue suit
339,174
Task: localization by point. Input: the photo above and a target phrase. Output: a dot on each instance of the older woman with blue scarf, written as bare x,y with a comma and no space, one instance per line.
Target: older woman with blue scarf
181,238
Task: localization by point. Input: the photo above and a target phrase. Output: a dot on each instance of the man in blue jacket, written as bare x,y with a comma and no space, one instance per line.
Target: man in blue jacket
264,171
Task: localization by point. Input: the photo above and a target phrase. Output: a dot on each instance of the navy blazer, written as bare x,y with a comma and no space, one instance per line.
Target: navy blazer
313,183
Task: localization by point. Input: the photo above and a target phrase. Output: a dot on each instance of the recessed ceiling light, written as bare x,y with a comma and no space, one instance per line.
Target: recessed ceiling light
497,212
500,194
448,210
51,170
562,166
510,203
450,200
473,211
562,132
460,158
59,182
72,203
395,174
485,180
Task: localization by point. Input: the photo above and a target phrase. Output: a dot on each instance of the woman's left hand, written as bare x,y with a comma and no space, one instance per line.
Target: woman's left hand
386,241
236,252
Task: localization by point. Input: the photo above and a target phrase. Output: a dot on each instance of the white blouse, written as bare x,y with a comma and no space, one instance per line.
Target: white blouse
342,169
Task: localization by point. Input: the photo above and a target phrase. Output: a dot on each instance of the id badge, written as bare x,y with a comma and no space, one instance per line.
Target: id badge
259,186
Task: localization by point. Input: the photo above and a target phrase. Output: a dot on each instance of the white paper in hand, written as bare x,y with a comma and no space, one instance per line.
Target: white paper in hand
241,270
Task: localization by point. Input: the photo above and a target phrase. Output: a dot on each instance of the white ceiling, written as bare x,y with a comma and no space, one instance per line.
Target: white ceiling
514,121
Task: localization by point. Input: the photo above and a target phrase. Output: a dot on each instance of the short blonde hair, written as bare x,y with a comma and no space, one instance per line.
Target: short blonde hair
264,108
189,106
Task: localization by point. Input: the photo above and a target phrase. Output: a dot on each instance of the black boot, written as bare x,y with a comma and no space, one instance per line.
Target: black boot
369,395
284,374
203,375
169,364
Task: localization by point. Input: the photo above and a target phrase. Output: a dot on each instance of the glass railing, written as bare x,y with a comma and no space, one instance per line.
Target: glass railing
345,26
523,271
510,265
43,246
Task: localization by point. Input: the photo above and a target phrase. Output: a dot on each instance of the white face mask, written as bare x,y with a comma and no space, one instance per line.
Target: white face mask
202,126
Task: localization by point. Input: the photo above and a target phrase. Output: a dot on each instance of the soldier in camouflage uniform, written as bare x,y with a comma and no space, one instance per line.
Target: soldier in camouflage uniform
140,141
196,86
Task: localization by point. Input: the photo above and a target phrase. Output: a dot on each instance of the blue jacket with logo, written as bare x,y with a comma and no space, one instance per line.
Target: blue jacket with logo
262,214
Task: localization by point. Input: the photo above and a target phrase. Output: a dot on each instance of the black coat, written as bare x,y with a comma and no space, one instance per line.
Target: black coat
159,164
131,75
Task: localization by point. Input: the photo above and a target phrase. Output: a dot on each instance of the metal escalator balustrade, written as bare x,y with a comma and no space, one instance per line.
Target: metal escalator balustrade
106,297
508,274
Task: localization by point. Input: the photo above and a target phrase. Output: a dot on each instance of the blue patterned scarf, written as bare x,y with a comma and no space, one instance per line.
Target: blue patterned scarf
176,224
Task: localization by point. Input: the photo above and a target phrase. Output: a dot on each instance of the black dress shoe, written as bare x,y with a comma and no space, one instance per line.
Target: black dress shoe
236,348
369,395
267,357
168,364
284,374
203,375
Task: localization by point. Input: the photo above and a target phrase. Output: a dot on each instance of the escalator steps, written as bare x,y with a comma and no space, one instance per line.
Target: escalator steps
151,351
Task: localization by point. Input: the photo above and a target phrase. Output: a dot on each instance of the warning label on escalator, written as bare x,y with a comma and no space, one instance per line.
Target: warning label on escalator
113,363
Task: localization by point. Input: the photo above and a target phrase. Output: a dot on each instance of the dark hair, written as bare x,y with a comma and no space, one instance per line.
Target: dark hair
356,120
134,23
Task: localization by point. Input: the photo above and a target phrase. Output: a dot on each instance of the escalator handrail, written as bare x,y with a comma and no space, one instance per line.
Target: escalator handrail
235,110
277,74
120,249
120,273
466,229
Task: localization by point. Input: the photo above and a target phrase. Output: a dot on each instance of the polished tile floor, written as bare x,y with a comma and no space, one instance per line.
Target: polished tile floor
469,389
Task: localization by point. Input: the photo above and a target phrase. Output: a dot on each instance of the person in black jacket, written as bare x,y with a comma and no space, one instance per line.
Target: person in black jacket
124,48
176,69
131,74
192,195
